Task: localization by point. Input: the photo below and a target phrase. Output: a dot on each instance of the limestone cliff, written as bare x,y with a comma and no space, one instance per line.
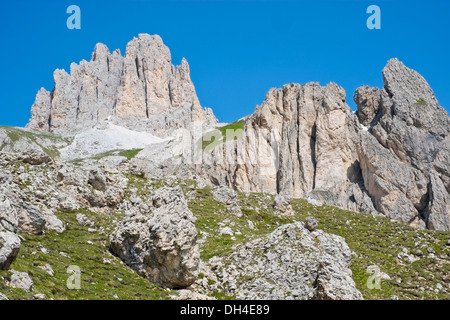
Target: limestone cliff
141,91
391,157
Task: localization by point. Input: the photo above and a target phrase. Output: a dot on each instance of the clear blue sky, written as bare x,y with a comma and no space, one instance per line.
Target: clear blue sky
237,50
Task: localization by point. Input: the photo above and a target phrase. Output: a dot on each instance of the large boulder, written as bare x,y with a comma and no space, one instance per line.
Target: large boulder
21,280
31,219
289,263
9,248
160,243
228,197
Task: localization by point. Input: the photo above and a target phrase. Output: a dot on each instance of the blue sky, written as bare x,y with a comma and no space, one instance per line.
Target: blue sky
237,50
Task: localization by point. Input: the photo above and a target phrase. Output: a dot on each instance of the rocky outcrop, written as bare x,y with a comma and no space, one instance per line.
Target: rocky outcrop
282,203
161,243
299,142
9,248
21,280
141,90
392,157
405,161
290,263
228,197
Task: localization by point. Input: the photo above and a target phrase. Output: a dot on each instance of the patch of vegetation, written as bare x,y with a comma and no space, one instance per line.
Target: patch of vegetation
222,134
258,219
103,276
421,102
15,134
129,154
378,241
373,241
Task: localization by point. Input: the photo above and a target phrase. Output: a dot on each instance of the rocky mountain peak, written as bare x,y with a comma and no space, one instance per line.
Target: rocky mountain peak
392,158
141,91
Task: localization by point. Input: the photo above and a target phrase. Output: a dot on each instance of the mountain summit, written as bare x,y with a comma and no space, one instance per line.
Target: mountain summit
140,91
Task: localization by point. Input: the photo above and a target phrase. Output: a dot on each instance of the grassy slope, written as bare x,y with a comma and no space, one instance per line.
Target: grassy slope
15,134
373,240
216,137
98,280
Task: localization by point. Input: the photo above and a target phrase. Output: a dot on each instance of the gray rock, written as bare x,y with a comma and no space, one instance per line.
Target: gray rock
282,203
36,158
97,179
47,268
21,280
289,263
84,220
311,223
9,248
224,195
141,90
40,296
229,197
31,219
160,244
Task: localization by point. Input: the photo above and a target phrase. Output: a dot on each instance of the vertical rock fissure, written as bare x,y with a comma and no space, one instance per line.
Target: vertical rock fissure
145,90
78,104
312,143
136,61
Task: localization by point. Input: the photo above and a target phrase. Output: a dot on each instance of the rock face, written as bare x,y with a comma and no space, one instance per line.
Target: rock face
406,161
160,244
141,90
9,248
392,157
21,280
290,263
228,197
299,142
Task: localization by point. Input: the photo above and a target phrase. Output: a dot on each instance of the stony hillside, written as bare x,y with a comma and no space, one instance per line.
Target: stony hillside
233,231
123,187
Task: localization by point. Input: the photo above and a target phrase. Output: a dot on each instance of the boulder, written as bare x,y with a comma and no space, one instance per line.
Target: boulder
161,243
21,280
290,263
31,219
97,179
228,197
9,248
282,203
311,223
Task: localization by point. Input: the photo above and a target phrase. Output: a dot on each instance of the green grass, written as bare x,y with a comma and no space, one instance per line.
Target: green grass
15,134
129,154
421,102
210,214
378,241
374,241
98,280
222,134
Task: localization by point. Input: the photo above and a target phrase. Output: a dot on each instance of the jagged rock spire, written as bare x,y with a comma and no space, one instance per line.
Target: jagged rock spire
141,90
